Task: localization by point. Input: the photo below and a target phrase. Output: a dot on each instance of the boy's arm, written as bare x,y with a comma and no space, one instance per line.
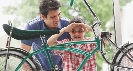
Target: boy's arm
52,40
25,47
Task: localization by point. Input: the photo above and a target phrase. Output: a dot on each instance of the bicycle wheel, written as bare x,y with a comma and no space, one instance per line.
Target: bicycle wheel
121,59
16,55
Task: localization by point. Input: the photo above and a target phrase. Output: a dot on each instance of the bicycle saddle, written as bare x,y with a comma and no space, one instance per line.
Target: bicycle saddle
27,34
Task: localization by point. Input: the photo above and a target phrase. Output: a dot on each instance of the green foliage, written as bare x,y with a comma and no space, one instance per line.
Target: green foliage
24,11
124,2
103,10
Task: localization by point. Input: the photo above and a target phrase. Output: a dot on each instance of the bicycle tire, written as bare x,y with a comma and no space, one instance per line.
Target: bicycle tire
121,60
16,55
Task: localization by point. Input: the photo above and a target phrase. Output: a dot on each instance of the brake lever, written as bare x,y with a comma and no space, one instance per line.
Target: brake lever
106,36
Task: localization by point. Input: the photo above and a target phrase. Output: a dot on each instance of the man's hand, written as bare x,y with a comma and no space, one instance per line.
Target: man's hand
26,67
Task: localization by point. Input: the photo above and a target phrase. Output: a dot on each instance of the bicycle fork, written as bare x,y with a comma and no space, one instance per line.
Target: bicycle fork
8,45
47,52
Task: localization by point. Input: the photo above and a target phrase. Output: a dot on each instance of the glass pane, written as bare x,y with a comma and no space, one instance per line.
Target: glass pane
126,21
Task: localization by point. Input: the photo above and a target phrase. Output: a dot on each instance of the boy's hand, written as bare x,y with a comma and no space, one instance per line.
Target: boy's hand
85,26
70,27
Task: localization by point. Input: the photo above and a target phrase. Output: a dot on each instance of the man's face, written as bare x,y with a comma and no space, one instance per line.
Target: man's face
52,19
77,33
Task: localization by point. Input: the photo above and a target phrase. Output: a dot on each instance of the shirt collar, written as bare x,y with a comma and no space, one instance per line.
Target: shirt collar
45,26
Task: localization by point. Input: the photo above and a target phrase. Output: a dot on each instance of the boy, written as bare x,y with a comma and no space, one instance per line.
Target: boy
71,61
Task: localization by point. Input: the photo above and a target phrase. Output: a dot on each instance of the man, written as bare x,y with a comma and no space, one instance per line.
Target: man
50,19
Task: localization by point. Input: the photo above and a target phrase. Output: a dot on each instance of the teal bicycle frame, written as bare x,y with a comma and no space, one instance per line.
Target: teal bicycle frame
64,47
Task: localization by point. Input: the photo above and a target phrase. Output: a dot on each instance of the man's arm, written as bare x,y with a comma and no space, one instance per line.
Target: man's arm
25,47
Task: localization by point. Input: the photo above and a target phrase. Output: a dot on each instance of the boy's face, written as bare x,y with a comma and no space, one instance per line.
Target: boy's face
77,33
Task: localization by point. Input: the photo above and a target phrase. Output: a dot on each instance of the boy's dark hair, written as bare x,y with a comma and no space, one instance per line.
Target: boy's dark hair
76,20
47,5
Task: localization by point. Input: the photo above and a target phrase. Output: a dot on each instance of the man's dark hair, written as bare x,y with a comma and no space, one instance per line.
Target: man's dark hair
47,5
76,19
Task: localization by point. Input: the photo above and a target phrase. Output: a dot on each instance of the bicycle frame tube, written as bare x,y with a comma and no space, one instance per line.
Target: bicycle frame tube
38,51
63,47
71,3
90,54
8,45
47,52
49,57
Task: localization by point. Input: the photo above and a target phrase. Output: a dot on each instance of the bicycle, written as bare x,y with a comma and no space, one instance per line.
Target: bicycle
33,64
20,54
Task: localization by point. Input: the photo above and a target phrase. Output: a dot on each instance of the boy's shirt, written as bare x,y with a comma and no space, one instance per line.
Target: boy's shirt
71,60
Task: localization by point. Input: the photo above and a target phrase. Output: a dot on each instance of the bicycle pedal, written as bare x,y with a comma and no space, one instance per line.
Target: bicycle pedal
56,68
